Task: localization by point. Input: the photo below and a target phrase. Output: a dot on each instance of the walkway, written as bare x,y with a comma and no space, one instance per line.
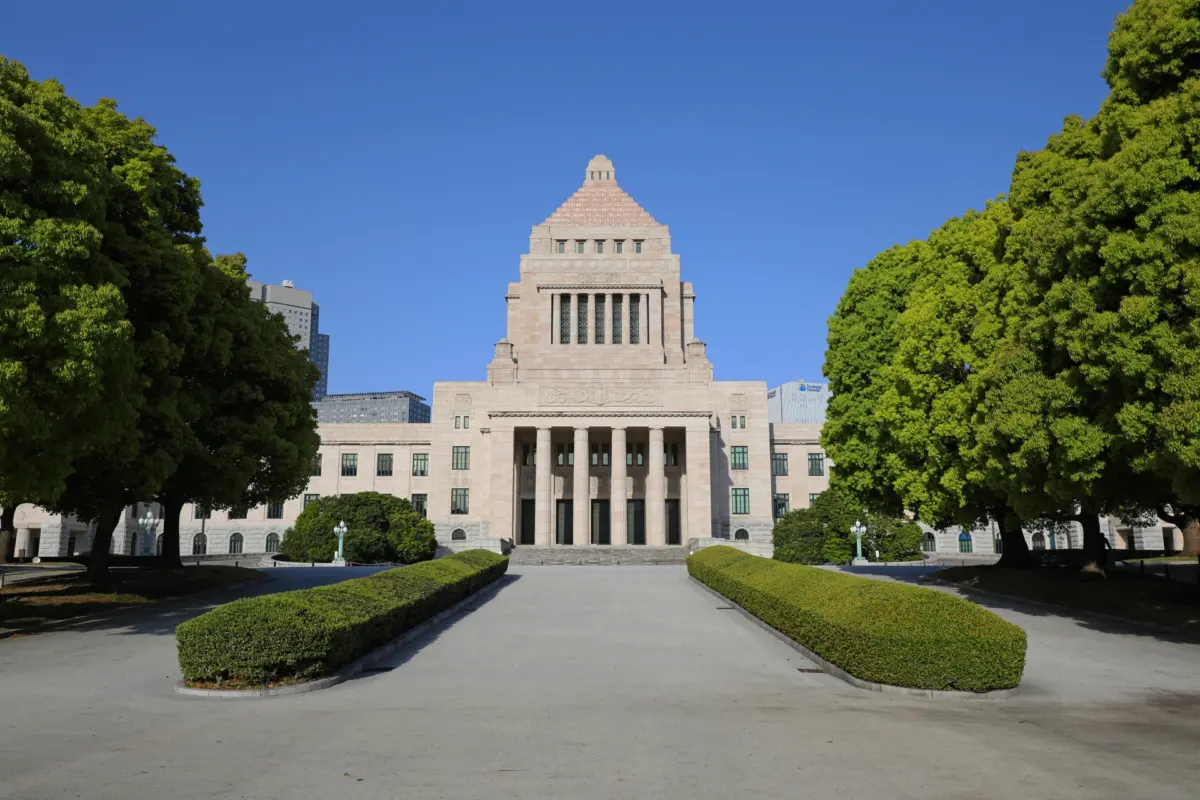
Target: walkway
596,682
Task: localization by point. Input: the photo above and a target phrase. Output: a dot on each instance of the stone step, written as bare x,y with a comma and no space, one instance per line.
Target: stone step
596,555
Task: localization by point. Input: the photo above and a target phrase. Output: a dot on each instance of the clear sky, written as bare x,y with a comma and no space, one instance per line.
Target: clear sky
392,156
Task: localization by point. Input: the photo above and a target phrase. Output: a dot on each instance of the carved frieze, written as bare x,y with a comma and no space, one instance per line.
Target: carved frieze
462,402
738,402
599,395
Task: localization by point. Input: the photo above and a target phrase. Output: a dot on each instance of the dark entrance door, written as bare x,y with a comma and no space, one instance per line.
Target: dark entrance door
672,522
565,522
601,531
527,522
635,521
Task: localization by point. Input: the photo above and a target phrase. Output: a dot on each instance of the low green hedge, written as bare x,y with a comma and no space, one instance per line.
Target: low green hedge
300,635
876,631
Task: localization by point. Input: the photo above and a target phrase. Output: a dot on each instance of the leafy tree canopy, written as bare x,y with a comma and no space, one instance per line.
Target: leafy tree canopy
380,527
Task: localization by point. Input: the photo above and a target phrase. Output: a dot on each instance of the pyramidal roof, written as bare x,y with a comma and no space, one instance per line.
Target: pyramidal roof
600,202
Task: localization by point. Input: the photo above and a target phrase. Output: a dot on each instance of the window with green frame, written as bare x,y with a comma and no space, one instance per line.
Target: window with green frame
779,464
741,501
383,465
460,457
459,501
420,464
781,505
816,465
812,498
739,457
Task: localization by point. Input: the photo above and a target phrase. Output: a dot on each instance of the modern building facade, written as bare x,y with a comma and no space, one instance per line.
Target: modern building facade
798,401
372,407
303,318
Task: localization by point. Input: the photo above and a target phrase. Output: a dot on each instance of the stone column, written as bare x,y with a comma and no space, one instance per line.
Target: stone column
573,316
503,495
582,496
554,318
543,503
656,533
654,318
646,318
617,487
697,520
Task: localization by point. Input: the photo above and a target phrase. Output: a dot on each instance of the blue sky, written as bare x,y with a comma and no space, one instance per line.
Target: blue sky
392,156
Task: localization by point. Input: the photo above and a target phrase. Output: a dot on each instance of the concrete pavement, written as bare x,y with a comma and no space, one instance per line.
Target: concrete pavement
596,682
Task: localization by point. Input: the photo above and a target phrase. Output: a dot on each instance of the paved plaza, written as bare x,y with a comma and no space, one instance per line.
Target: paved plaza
592,682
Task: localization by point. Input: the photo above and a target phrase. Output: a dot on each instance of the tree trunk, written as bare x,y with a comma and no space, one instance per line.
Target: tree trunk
106,523
8,532
169,558
1191,538
1016,553
1095,550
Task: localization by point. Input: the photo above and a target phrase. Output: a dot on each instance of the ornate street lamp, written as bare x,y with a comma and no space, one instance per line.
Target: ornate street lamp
149,523
339,560
858,529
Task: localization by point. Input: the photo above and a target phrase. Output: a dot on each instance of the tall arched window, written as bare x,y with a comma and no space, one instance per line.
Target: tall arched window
741,534
929,543
235,544
1039,541
965,543
199,544
459,535
272,542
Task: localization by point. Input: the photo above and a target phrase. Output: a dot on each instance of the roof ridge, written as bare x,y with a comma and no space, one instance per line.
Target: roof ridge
600,202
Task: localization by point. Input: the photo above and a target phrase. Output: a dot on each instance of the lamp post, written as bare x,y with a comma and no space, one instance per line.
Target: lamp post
149,523
858,529
339,560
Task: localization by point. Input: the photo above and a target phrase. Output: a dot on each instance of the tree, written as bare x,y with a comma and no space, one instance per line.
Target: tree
246,404
380,527
66,355
151,234
823,534
799,537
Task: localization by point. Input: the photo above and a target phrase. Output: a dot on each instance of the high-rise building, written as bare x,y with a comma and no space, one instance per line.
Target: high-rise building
372,407
303,318
798,401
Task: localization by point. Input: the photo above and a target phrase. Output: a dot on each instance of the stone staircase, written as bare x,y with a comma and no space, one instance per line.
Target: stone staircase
597,555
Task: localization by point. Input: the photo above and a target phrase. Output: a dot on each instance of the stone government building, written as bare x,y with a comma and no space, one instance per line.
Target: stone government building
599,424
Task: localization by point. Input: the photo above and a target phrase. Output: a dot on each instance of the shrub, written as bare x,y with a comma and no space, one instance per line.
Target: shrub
822,533
303,634
876,631
380,527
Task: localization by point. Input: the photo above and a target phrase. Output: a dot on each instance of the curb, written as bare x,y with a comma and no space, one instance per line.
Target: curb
1099,616
349,671
49,627
838,672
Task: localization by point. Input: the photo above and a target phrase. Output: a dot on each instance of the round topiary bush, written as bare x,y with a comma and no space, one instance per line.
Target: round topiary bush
380,527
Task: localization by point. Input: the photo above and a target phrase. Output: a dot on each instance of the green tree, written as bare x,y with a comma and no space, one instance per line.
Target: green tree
799,537
247,406
380,527
66,356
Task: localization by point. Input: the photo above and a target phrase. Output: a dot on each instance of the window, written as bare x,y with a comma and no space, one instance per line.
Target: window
741,535
579,243
733,421
419,503
635,319
742,423
199,544
460,458
200,512
595,454
457,423
781,505
236,541
812,498
965,544
459,502
274,510
272,542
459,535
564,319
316,467
383,465
237,513
616,326
310,498
1039,541
420,464
565,454
741,501
637,245
739,457
671,454
527,452
562,245
599,319
929,543
816,465
997,544
779,464
581,324
466,422
349,465
600,247
620,243
604,455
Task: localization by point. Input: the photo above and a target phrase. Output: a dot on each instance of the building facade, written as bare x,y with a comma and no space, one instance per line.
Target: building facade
303,318
372,407
798,401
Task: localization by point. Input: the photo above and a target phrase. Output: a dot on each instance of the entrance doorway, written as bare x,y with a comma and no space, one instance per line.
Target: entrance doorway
635,521
601,529
674,531
564,522
527,522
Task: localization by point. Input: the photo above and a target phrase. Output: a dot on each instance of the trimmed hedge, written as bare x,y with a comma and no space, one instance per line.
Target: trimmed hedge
301,635
877,631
